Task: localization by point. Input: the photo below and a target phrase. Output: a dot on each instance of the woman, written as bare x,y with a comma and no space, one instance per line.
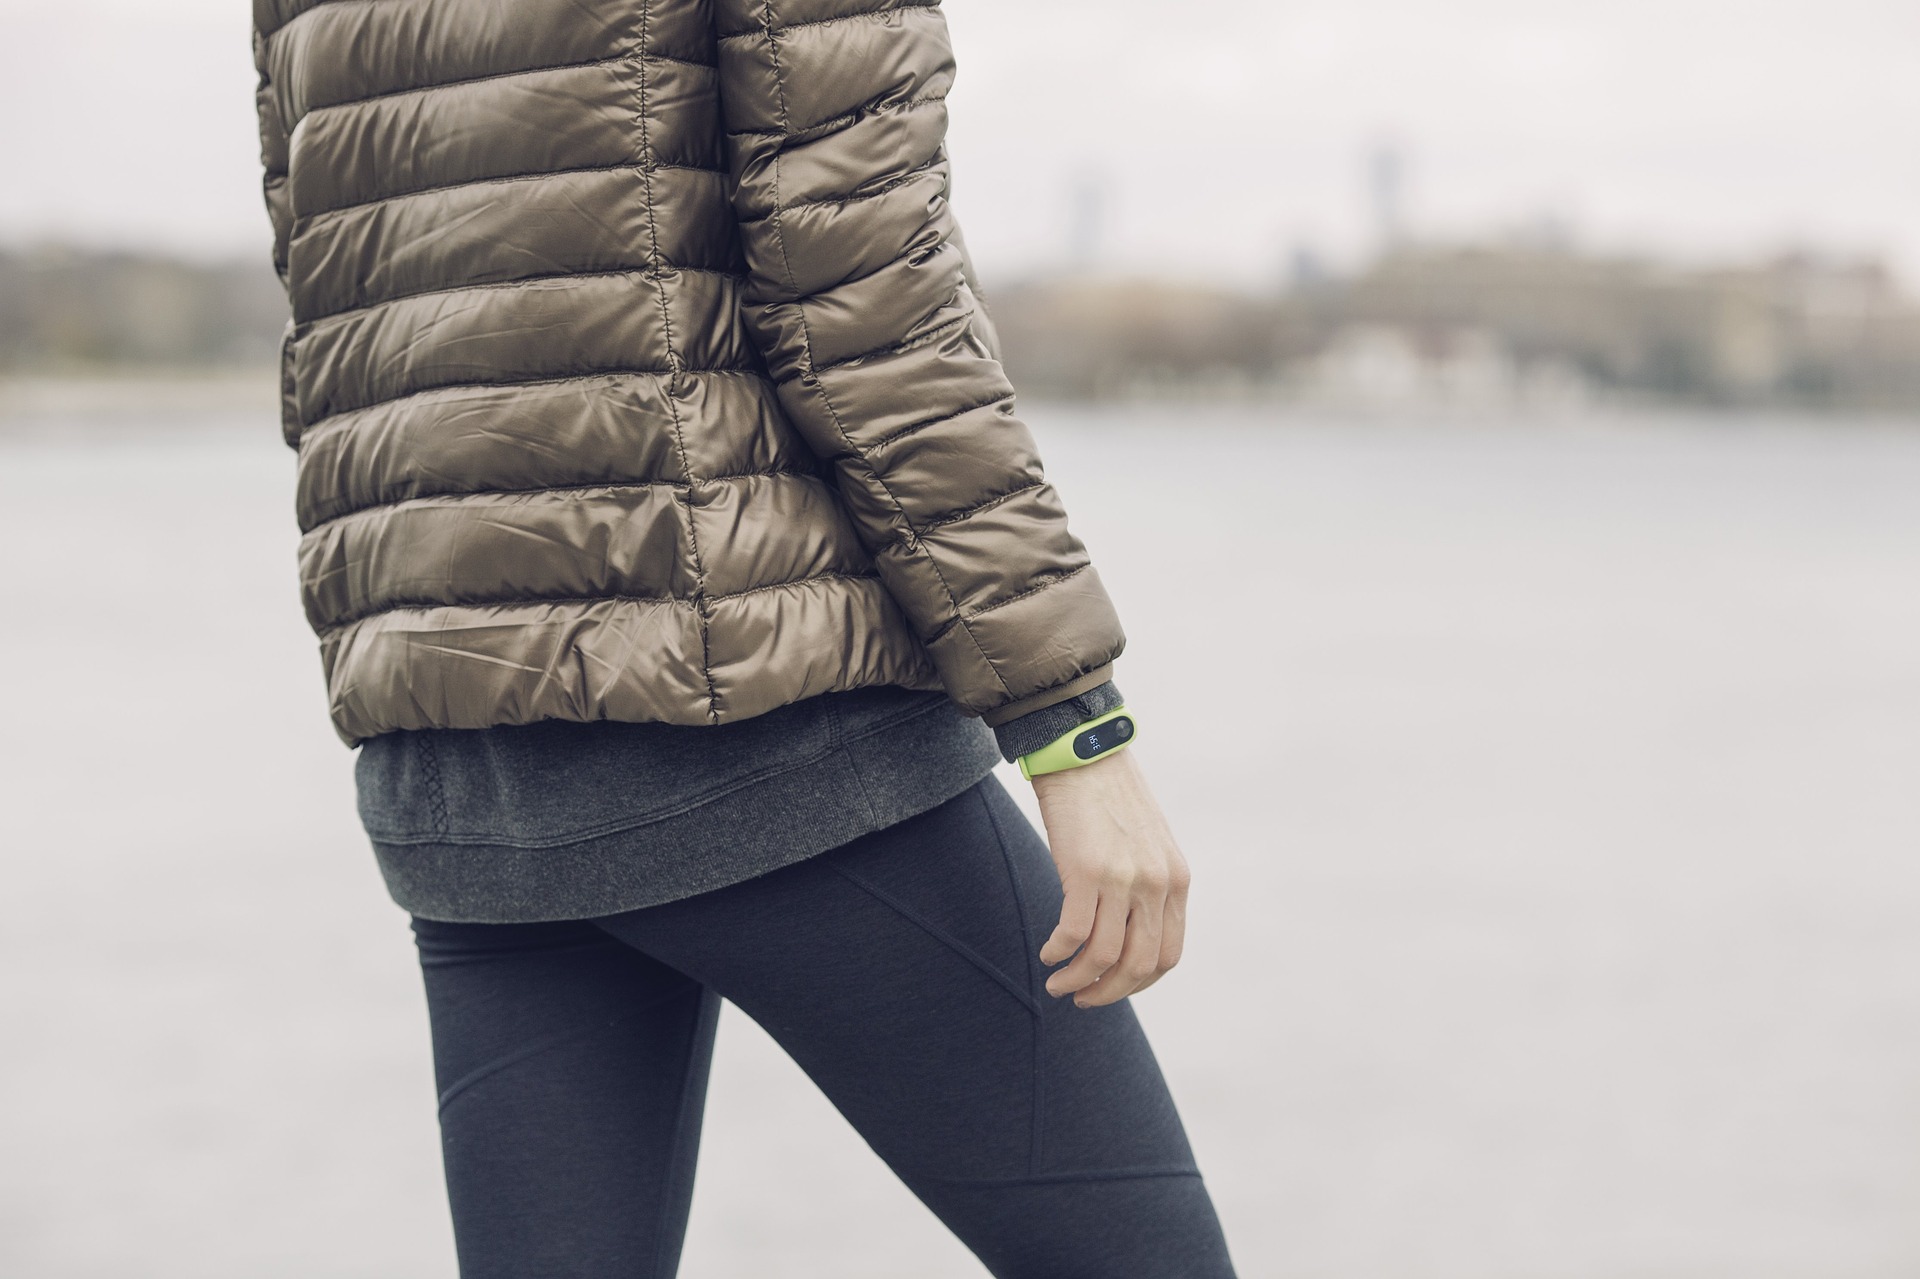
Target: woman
673,548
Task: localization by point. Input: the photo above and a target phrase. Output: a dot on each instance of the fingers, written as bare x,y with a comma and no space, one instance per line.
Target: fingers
1076,923
1173,938
1173,934
1155,935
1101,951
1139,957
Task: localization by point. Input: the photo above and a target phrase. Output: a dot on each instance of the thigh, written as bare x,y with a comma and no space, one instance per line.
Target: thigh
901,972
571,1071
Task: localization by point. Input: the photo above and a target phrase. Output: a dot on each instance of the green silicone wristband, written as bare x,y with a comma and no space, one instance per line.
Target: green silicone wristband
1090,741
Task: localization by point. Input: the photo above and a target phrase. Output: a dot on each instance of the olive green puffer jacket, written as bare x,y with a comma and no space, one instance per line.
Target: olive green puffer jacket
638,372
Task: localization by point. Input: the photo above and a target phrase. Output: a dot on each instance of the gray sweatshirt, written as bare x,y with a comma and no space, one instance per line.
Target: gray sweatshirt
563,820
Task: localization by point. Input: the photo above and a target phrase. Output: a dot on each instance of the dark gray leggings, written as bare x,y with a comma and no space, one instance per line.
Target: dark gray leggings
901,972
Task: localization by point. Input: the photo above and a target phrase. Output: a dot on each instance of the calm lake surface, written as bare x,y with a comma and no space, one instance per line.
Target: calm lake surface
1553,794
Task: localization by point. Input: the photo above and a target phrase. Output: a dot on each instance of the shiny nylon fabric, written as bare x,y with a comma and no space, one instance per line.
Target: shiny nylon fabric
637,370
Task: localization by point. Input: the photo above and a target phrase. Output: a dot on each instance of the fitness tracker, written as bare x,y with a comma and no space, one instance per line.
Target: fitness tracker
1095,739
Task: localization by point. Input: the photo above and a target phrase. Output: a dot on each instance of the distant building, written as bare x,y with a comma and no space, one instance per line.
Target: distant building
75,311
1525,324
1797,329
1387,194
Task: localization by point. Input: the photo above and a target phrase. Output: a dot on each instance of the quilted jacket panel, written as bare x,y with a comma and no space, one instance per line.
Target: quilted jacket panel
638,370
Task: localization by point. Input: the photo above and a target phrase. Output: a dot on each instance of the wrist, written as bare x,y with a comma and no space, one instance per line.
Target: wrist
1102,775
1036,729
1083,745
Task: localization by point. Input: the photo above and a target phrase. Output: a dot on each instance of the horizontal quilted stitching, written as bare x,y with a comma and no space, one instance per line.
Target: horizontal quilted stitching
638,369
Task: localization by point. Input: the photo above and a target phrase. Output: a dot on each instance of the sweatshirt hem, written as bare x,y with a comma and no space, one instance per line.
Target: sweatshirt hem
863,785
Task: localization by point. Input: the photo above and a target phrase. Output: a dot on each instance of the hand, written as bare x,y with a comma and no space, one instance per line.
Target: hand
1125,881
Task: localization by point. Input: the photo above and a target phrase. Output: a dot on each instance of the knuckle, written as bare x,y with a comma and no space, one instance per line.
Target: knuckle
1105,956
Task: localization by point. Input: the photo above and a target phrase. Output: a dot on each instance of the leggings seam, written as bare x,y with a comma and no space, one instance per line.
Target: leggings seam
547,1043
942,936
460,959
1065,1178
1036,1104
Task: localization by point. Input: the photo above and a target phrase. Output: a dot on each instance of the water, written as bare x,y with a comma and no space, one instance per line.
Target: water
1550,793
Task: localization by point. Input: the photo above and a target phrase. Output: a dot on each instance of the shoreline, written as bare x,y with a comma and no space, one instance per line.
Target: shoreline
37,402
44,399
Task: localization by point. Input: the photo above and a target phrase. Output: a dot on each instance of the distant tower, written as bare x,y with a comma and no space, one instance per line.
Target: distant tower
1387,194
1306,271
1087,202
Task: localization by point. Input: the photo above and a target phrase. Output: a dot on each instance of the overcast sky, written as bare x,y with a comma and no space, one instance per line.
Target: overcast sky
1223,133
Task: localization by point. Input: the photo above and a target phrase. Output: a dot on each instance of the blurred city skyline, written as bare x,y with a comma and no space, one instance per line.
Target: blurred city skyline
1231,146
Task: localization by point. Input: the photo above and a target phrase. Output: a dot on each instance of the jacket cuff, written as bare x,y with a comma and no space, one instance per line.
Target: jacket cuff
1029,732
1048,696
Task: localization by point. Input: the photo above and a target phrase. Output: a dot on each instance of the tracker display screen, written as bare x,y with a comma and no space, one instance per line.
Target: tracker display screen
1103,737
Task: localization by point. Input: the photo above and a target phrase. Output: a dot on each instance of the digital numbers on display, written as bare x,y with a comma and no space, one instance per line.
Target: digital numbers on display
1103,737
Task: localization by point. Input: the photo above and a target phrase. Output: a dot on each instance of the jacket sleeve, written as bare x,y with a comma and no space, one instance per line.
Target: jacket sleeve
860,297
279,198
